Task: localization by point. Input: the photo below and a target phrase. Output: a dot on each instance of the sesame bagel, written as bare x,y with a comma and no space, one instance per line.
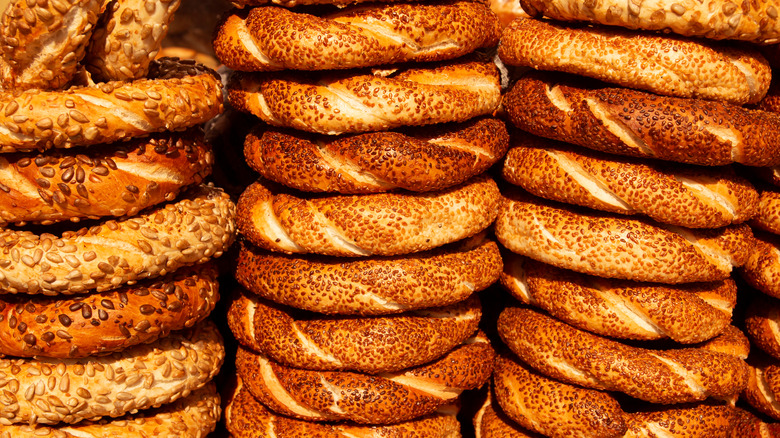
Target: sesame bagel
692,421
197,227
687,313
767,217
762,268
383,224
420,160
635,123
617,247
763,389
193,416
491,422
382,399
771,102
714,19
174,96
351,102
761,321
271,38
137,378
565,353
678,195
369,345
750,426
661,64
372,286
245,417
100,323
113,180
128,37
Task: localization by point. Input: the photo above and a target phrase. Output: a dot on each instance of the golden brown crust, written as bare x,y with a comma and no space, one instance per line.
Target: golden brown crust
421,160
507,11
661,64
176,95
369,344
491,422
678,195
767,217
763,389
616,247
141,377
382,224
352,102
113,180
383,399
373,286
687,313
197,227
697,421
128,37
635,123
292,3
750,426
659,376
715,19
730,341
762,319
762,268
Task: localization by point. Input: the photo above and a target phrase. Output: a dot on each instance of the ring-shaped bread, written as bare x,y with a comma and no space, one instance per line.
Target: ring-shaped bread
767,217
382,224
762,318
762,267
51,391
491,422
763,389
198,226
421,160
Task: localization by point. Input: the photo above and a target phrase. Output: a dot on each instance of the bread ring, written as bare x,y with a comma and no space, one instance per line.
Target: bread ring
368,345
141,377
763,389
110,321
491,422
361,225
697,421
374,286
715,19
197,227
350,102
750,426
678,195
507,11
245,417
768,216
422,160
271,38
42,43
688,313
761,321
176,95
730,341
762,268
771,102
574,356
115,180
383,399
193,416
635,123
128,37
616,247
293,3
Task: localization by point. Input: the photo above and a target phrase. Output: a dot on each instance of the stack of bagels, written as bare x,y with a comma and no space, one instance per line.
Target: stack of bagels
626,216
108,226
363,240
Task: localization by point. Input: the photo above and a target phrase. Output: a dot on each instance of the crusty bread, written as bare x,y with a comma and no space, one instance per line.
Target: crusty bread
762,268
361,225
635,123
372,286
491,422
763,389
507,11
421,160
292,3
661,64
369,345
692,197
749,425
762,318
767,217
112,180
715,19
771,102
690,421
356,101
574,356
616,247
141,377
731,341
197,227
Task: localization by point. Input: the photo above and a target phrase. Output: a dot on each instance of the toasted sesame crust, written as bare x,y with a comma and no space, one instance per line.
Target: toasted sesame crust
421,160
696,421
507,11
491,422
771,102
767,217
750,426
763,389
761,321
762,268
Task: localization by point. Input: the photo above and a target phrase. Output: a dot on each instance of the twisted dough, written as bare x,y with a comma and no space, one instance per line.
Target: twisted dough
659,376
762,268
351,102
661,64
175,96
750,426
677,195
628,122
421,160
492,422
716,19
368,345
763,389
762,323
378,224
373,286
381,399
768,215
272,38
192,230
688,313
616,247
